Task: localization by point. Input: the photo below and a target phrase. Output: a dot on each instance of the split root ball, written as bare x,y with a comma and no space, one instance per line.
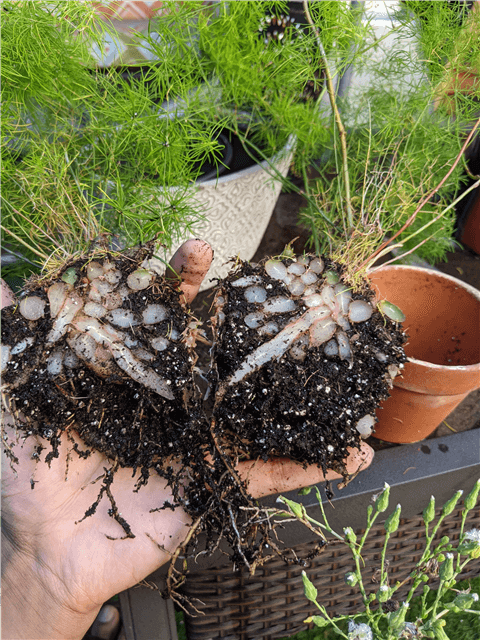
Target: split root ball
300,361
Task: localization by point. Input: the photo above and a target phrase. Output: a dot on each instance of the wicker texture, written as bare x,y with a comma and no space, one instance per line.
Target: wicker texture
272,604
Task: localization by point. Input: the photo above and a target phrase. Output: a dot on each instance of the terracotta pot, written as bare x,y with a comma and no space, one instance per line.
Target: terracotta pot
442,322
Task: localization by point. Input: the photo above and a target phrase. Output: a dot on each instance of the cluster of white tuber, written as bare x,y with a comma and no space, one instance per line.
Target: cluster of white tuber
99,329
315,311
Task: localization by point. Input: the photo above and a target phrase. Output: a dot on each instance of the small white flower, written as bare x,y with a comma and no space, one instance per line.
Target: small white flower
474,535
359,631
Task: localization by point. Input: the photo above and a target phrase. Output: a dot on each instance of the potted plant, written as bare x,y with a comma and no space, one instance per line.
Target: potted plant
129,150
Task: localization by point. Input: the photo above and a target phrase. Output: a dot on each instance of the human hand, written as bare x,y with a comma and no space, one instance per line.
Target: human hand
60,570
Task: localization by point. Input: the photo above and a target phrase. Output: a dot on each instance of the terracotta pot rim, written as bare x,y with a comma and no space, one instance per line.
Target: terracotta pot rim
468,368
434,272
444,367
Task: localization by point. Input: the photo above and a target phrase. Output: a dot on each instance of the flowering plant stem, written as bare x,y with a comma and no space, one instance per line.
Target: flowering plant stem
390,619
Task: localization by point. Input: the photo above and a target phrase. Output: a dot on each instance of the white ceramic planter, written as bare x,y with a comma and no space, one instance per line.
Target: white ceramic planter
237,209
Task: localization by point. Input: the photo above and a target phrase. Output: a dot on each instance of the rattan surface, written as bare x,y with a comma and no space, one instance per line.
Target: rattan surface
272,604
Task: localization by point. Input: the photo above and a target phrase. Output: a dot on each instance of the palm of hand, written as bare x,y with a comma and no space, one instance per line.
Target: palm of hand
78,557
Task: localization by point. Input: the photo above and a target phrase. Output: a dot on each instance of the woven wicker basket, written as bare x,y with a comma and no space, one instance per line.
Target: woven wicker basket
272,604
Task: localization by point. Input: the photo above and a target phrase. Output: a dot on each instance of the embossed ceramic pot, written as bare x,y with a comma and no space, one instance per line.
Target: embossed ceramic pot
443,349
237,208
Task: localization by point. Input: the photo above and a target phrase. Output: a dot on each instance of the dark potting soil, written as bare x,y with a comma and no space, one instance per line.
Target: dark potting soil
77,381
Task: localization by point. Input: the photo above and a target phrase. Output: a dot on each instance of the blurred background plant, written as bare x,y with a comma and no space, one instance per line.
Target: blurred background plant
85,150
406,118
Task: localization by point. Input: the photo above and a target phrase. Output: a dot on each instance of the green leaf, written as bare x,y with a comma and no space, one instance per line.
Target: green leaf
305,491
391,311
310,591
319,621
296,508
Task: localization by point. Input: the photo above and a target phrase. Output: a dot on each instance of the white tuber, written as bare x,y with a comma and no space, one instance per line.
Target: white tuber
57,295
72,306
276,269
254,320
365,426
359,311
154,313
32,307
279,304
140,279
246,281
123,318
321,331
255,294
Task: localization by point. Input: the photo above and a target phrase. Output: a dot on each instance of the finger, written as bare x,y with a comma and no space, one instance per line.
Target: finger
279,475
6,295
191,262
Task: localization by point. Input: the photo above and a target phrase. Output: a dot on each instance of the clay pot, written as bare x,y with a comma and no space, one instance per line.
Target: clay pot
442,322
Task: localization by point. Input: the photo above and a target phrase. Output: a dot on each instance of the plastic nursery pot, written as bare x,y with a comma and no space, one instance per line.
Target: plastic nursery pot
443,349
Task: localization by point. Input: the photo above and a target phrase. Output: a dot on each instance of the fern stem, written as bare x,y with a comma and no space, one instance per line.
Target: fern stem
333,102
425,199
